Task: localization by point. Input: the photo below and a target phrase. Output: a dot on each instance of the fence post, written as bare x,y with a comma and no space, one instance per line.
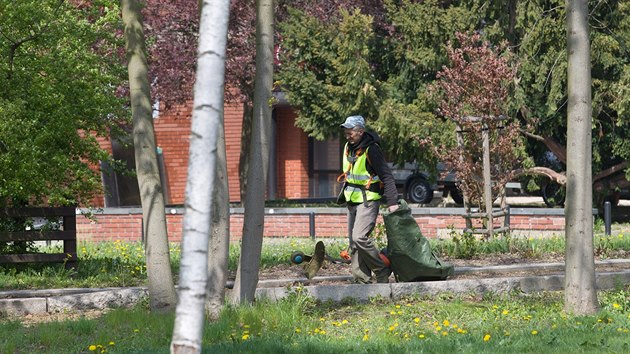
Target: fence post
311,224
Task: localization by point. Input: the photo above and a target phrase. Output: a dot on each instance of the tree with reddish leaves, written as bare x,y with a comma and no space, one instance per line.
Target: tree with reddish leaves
474,90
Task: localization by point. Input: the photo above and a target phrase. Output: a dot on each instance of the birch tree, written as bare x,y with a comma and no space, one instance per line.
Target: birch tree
254,203
580,295
207,113
160,279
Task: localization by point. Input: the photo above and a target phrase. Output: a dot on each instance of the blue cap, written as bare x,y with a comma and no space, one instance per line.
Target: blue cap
353,122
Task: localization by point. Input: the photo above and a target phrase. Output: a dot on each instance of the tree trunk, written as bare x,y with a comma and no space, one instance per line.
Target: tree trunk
207,113
160,279
254,203
220,234
580,295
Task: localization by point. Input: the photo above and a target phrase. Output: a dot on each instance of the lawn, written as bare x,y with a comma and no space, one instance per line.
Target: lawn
463,324
448,323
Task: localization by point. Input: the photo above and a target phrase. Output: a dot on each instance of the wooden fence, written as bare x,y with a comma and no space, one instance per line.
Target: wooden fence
67,234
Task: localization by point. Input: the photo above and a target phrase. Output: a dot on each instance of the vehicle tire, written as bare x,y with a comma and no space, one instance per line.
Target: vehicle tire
553,194
419,191
456,195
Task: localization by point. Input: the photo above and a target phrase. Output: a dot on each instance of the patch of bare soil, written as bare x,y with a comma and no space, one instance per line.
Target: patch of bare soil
289,272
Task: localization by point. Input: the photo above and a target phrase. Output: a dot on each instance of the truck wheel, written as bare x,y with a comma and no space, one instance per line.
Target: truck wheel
419,191
553,194
456,195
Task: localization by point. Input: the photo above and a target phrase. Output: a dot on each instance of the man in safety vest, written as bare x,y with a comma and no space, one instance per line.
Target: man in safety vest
367,179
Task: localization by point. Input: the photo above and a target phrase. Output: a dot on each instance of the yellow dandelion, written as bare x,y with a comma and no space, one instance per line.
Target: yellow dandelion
486,337
245,336
446,323
112,343
455,326
459,330
507,334
438,328
297,330
505,312
392,312
421,336
397,306
136,330
616,305
344,322
92,347
366,337
534,332
445,333
322,332
416,320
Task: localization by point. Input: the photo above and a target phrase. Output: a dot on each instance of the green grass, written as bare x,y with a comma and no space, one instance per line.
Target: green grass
509,323
113,264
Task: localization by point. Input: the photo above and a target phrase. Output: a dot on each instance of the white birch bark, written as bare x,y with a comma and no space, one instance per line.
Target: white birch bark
207,113
580,290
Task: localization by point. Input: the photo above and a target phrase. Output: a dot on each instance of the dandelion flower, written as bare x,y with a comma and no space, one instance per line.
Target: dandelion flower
486,337
416,320
245,336
534,332
505,312
446,323
616,305
92,347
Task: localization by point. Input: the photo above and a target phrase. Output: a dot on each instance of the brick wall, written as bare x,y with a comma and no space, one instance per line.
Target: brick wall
292,156
172,130
125,223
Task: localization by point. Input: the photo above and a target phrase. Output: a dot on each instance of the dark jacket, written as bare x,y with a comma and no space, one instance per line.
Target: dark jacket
377,165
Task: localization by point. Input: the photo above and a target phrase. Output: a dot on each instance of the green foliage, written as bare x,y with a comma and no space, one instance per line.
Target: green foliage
407,48
350,65
59,71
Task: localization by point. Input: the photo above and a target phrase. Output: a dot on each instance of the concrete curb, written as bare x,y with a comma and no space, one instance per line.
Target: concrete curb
24,302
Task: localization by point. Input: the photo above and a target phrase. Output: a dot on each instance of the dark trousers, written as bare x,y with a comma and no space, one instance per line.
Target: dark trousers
365,255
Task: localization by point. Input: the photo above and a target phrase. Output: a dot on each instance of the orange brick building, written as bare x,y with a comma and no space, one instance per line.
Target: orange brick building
299,167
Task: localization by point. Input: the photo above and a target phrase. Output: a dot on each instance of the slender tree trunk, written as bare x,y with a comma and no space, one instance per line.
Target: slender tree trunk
207,113
580,288
220,235
254,203
160,279
243,162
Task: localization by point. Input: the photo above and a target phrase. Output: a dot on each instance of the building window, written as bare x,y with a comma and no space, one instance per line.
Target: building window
325,166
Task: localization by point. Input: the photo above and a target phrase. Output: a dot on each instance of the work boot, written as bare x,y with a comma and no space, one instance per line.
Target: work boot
383,275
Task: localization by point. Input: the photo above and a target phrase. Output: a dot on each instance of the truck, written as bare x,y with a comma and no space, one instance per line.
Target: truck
417,185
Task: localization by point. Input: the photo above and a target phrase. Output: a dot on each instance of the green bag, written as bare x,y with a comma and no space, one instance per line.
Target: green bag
408,251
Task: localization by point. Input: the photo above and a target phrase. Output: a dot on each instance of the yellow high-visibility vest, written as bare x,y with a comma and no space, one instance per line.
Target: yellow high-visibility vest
360,185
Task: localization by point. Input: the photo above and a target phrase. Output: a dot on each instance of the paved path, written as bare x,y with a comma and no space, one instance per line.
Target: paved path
23,302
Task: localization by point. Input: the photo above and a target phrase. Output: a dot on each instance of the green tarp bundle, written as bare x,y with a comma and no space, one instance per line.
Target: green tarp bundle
409,251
